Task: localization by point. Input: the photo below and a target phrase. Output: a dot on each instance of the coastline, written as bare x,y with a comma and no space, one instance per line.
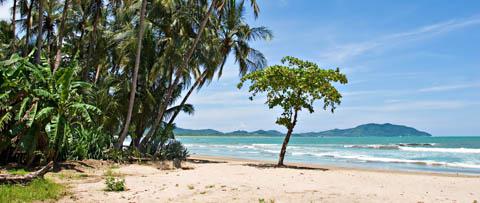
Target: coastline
329,167
224,179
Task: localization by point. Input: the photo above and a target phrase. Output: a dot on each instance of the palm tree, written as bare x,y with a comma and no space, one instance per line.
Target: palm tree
14,13
26,9
219,4
235,35
40,32
131,101
61,30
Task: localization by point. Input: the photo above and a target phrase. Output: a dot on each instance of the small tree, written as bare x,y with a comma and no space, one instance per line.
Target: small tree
293,88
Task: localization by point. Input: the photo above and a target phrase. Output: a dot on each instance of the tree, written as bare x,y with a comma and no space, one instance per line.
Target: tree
40,31
14,13
295,87
131,100
61,31
235,36
215,5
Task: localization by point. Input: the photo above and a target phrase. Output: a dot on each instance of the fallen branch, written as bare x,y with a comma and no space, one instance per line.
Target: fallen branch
15,179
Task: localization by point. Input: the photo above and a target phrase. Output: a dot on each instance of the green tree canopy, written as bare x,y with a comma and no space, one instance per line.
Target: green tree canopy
293,86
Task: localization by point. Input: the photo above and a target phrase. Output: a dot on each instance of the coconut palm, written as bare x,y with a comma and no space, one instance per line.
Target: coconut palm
235,36
131,100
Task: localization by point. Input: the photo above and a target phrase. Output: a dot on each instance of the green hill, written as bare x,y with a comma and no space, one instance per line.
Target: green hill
375,130
371,129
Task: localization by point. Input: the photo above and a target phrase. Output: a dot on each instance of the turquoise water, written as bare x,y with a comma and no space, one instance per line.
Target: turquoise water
438,154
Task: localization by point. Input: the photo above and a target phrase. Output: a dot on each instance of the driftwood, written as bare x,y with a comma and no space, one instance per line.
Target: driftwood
15,179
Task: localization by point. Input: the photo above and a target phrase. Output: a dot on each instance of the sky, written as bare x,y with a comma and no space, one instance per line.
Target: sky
414,63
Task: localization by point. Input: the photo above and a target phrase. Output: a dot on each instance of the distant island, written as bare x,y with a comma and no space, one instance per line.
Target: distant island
366,130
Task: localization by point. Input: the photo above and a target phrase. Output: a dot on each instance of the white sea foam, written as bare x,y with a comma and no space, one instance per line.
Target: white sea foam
395,160
373,146
446,150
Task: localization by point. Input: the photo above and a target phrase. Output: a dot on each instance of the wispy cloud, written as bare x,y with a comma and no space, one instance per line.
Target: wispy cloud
402,106
442,88
346,51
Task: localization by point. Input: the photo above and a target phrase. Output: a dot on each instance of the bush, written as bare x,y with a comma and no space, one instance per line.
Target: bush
88,144
115,184
174,150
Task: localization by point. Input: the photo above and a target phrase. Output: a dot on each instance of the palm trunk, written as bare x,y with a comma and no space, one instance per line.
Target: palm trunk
29,28
163,105
286,140
14,37
58,55
93,43
40,32
194,86
131,102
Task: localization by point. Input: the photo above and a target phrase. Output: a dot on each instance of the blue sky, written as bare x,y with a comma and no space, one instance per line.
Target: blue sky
414,63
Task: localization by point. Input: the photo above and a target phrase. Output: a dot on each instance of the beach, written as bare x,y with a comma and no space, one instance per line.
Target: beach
221,179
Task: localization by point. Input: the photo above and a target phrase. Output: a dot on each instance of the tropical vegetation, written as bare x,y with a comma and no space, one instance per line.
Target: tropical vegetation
107,79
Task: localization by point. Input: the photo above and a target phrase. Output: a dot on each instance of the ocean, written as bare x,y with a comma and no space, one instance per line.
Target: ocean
433,154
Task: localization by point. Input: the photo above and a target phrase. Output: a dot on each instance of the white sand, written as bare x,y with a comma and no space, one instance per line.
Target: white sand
235,182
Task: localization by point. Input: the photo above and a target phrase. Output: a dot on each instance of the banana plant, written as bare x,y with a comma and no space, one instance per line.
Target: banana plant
38,107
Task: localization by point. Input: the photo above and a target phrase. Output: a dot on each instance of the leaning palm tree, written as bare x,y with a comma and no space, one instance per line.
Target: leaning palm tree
213,9
133,89
235,36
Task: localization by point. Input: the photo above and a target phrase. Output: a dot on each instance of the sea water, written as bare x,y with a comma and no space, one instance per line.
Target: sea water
435,154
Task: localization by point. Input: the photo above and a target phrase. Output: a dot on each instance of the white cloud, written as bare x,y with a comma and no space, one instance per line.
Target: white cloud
442,88
5,10
402,106
346,51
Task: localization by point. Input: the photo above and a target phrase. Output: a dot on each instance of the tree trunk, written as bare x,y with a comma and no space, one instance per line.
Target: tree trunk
40,32
286,140
131,102
58,55
194,86
29,28
15,179
93,42
167,98
14,37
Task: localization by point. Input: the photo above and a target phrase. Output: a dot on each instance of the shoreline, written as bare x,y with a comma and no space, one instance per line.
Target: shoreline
330,167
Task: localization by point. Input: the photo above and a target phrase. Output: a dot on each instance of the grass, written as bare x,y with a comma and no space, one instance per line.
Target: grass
112,173
37,190
71,175
261,200
18,171
190,187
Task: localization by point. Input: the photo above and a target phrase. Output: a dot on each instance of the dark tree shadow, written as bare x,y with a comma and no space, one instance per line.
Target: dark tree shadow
204,161
70,166
263,166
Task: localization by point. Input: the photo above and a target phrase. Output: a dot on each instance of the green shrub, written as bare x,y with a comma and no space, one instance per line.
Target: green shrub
115,184
174,150
89,144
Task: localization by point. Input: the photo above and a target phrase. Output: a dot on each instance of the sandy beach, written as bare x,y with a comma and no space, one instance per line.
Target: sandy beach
233,180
